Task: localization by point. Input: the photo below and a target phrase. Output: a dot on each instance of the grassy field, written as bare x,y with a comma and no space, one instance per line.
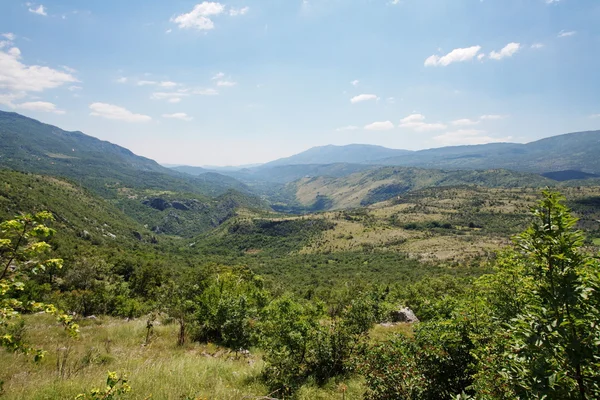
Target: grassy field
451,224
159,370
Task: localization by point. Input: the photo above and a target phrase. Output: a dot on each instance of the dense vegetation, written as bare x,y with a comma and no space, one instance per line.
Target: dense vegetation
185,291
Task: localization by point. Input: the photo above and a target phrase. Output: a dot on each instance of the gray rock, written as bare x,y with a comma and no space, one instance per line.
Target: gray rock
404,315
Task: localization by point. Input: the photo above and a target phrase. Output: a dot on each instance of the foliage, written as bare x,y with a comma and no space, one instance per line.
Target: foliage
227,307
300,344
24,252
528,331
116,388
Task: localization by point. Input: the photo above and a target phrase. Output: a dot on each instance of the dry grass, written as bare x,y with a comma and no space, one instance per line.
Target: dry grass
160,370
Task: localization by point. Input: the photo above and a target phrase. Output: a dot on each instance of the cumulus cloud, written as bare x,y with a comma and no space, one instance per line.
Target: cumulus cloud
537,45
456,55
347,128
355,82
564,33
464,122
492,117
171,97
122,80
181,116
40,106
40,10
507,51
234,12
468,137
417,122
9,36
168,84
218,76
200,17
380,126
18,79
363,97
114,112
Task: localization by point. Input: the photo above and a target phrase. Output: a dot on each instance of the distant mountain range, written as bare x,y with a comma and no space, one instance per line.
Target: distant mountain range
564,157
572,151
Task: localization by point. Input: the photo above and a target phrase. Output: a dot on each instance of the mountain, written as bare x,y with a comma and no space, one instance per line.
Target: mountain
353,153
569,152
160,198
380,184
290,173
572,151
31,146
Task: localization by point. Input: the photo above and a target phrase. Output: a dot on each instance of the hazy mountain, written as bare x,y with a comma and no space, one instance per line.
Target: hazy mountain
568,152
353,153
572,151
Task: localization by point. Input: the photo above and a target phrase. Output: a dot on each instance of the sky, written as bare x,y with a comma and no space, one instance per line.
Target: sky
249,81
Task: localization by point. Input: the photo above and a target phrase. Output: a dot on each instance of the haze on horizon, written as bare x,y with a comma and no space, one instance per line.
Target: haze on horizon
243,82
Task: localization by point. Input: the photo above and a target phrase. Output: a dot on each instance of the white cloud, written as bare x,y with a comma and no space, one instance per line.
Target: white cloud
111,111
468,137
40,106
181,116
537,45
464,122
355,82
206,92
564,33
226,83
219,75
492,117
40,10
146,83
75,88
380,126
552,1
122,80
507,51
417,123
234,12
69,69
347,128
168,84
456,55
172,97
363,97
480,56
198,18
16,78
9,36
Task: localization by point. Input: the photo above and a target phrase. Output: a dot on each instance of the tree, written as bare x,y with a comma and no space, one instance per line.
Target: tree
24,252
555,347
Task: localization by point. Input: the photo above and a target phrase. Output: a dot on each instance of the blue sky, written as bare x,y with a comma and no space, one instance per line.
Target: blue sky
242,81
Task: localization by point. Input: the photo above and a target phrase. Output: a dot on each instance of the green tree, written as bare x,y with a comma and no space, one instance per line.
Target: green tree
24,252
555,347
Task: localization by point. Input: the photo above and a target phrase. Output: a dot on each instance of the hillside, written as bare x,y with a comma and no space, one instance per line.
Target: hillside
353,153
372,186
31,146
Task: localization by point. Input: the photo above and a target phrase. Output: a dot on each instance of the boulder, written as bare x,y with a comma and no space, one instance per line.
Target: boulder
404,315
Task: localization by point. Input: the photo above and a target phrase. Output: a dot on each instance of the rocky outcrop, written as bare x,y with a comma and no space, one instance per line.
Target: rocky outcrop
404,315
